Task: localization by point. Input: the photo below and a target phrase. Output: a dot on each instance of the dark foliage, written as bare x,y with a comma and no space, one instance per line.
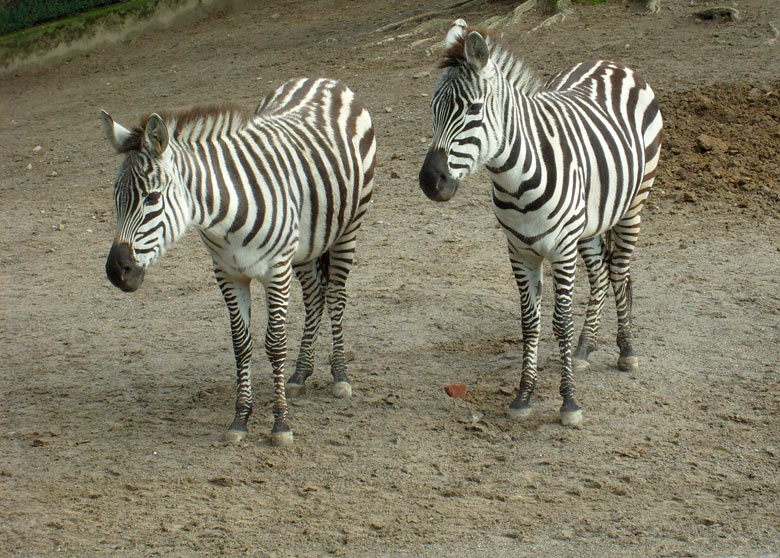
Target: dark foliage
20,14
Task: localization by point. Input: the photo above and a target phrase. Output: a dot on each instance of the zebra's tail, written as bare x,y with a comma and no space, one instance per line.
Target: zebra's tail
629,299
324,263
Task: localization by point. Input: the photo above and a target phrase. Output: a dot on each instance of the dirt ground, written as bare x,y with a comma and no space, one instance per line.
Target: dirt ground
112,406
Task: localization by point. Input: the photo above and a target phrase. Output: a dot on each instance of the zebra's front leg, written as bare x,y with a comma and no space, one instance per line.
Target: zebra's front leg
528,275
238,299
277,295
563,326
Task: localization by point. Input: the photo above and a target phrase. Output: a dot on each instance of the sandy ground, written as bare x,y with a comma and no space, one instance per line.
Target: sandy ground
112,406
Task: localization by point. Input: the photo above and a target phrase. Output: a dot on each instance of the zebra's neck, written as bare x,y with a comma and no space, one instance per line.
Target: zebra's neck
515,158
514,69
205,189
205,124
197,139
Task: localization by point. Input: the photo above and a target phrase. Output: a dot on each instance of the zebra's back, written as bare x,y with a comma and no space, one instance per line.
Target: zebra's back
621,128
320,138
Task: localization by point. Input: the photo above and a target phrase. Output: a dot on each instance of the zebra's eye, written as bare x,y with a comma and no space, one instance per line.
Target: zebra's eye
152,198
474,108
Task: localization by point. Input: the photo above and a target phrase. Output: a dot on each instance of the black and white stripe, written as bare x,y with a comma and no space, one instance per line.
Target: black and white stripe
572,162
278,192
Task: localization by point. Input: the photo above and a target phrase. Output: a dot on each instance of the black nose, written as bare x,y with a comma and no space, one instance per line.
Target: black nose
435,179
122,270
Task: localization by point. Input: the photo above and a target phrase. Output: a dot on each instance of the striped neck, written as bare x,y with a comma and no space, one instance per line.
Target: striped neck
204,190
206,123
516,159
514,69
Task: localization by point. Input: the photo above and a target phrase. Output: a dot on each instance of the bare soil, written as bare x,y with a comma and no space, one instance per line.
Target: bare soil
112,406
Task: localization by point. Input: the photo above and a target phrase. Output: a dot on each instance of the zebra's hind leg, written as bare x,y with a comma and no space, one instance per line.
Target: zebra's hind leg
563,326
528,275
312,282
277,296
594,254
238,300
623,240
339,263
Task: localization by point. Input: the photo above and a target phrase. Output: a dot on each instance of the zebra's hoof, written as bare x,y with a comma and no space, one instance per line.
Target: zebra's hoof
520,413
628,364
282,438
295,390
342,390
579,365
572,419
232,435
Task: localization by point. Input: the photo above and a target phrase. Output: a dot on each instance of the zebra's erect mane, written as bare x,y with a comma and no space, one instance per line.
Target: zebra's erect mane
515,70
192,125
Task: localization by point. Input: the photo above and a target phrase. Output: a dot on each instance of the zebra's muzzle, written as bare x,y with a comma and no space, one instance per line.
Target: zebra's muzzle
435,179
122,270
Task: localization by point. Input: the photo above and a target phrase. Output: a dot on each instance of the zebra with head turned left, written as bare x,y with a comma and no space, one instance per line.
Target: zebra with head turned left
572,162
277,192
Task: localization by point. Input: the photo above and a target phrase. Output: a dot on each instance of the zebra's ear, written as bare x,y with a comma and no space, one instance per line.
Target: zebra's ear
116,134
476,51
455,33
156,135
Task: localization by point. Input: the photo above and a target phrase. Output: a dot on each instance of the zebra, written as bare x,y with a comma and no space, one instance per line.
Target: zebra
572,162
279,191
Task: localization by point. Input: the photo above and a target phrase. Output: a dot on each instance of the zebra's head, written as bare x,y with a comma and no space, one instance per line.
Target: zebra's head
151,201
461,104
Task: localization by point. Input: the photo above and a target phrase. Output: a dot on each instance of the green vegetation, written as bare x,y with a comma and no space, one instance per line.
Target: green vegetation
50,34
20,14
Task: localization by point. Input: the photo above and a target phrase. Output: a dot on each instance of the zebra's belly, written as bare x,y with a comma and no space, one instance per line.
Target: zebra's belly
243,261
605,207
317,233
534,232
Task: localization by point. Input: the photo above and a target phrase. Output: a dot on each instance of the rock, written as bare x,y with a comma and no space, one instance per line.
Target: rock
722,12
455,390
388,109
392,399
53,173
653,6
37,148
421,75
705,143
394,174
688,197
